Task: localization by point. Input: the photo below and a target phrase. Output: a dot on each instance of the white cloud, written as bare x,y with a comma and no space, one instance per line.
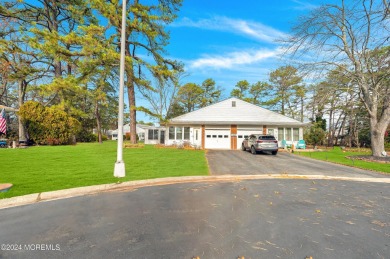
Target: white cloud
255,30
304,5
233,59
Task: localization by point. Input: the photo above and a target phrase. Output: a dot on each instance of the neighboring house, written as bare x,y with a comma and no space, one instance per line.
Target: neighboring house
140,129
224,125
154,135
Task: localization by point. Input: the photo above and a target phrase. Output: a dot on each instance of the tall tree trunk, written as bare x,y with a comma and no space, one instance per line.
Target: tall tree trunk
21,94
377,133
341,129
379,125
350,131
331,125
132,104
133,115
302,109
98,122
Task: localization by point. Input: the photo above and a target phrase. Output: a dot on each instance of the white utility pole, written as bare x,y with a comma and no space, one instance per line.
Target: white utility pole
119,170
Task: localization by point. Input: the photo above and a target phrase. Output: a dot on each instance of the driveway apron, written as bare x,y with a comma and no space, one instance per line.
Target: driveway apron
244,163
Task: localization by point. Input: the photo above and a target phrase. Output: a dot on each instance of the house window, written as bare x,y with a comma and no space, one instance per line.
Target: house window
187,133
179,133
233,103
153,134
288,134
171,133
280,134
295,134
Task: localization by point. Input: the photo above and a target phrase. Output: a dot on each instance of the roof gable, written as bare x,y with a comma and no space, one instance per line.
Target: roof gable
234,111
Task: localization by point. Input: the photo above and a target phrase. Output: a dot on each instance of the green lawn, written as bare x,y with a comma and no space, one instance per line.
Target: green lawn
337,155
48,168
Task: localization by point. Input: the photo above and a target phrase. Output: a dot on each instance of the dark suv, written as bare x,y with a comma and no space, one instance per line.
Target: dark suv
258,142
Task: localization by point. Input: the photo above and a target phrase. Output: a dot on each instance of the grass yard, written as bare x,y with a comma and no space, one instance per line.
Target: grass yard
48,168
339,156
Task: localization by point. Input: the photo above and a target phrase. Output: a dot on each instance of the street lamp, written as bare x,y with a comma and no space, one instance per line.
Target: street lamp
119,170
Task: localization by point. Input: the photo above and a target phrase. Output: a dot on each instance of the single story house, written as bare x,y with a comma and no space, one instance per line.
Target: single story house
146,133
225,124
140,129
154,135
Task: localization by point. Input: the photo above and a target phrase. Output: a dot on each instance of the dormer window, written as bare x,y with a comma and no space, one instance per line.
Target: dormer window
233,103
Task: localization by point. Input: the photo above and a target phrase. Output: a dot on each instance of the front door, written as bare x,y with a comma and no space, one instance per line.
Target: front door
162,136
197,138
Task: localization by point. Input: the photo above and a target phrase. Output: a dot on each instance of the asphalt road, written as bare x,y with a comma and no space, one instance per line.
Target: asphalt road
280,218
244,163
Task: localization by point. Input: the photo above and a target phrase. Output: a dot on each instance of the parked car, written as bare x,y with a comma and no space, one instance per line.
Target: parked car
3,143
258,142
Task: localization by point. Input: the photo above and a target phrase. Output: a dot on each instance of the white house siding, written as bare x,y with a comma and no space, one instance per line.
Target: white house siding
184,133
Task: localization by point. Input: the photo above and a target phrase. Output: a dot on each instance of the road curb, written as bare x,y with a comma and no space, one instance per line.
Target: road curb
131,185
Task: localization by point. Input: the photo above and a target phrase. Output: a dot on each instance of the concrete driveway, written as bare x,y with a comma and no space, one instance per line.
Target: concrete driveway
244,163
279,218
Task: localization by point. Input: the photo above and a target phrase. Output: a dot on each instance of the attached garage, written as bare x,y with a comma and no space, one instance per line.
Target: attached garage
242,133
217,138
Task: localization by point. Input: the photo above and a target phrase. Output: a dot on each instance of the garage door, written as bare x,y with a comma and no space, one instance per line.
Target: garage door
217,138
242,133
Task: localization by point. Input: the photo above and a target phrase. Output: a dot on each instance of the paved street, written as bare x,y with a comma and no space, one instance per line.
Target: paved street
280,218
244,163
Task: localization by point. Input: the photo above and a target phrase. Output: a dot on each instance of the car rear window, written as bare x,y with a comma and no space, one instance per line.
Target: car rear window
267,137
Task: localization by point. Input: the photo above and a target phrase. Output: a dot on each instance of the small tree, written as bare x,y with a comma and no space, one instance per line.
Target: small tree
315,134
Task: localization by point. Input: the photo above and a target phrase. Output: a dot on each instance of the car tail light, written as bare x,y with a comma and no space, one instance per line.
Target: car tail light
275,141
259,141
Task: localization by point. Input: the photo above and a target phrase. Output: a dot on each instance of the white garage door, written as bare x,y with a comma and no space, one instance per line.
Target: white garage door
242,133
217,138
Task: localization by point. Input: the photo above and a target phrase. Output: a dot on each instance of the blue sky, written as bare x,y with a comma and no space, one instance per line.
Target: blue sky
230,41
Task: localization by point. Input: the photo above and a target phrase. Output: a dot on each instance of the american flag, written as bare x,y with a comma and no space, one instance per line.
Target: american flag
3,122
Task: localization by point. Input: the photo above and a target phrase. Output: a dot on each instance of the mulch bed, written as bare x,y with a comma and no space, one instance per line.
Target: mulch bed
385,159
127,145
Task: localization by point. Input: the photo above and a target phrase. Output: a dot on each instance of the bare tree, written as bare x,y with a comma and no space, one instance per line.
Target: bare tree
352,37
161,97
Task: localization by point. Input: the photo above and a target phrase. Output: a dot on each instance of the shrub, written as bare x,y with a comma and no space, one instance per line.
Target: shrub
86,136
104,137
48,125
315,135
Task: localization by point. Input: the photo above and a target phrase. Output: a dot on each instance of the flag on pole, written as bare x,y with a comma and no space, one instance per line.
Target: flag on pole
3,122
